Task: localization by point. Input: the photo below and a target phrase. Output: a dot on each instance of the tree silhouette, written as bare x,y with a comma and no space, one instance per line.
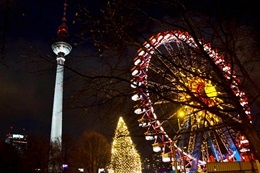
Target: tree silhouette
92,151
37,155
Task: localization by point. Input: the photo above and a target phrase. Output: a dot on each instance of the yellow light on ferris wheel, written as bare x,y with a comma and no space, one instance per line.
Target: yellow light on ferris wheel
210,90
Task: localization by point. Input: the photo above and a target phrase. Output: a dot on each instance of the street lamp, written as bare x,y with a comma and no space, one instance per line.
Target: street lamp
100,170
37,169
81,169
64,167
180,114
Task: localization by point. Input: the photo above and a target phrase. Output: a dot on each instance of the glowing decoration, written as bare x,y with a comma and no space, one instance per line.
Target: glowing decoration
124,156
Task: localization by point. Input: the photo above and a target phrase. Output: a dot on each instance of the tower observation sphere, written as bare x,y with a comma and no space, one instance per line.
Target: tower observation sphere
61,47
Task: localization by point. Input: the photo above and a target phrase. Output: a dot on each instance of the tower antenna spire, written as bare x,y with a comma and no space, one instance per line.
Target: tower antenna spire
64,12
63,32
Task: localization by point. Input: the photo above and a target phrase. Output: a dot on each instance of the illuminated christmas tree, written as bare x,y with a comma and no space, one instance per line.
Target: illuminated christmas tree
124,156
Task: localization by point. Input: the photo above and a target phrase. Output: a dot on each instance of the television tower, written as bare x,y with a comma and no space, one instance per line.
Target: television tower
61,48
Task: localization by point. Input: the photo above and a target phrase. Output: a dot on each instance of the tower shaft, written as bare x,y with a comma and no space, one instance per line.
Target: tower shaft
56,126
61,49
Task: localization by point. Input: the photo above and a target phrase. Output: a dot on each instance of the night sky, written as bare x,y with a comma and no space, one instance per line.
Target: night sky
27,81
26,94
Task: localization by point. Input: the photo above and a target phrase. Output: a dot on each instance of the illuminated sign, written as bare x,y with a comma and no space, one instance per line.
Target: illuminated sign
18,136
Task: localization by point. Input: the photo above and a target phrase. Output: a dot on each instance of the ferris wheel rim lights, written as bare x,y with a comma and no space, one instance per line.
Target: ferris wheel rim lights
184,36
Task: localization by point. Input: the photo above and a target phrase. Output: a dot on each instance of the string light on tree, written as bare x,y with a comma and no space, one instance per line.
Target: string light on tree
124,156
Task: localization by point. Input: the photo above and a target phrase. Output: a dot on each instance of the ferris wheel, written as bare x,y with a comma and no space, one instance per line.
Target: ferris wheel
183,104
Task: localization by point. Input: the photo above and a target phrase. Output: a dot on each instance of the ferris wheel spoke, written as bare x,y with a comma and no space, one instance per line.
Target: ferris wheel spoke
204,149
228,143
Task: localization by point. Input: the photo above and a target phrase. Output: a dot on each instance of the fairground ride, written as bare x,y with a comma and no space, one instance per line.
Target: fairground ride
182,89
